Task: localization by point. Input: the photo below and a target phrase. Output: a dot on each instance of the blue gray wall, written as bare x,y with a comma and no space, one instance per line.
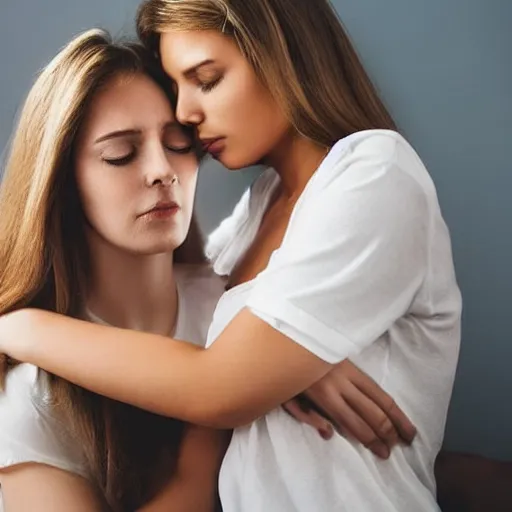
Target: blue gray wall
444,69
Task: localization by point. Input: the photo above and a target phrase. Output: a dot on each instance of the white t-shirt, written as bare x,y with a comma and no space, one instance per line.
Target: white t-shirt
364,271
31,432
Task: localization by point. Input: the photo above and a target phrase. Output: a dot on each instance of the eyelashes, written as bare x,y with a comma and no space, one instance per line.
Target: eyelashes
130,157
208,86
120,161
180,151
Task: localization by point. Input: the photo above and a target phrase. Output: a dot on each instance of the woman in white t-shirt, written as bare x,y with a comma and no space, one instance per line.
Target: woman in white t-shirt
339,250
105,207
97,200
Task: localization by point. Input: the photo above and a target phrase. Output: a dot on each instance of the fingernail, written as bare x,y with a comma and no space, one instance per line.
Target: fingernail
412,435
382,451
325,433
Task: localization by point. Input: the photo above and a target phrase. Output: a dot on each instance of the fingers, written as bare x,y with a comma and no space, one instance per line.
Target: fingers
381,424
310,417
403,424
390,417
347,420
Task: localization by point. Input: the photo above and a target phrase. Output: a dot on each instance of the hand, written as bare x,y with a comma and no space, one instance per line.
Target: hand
303,411
356,406
13,329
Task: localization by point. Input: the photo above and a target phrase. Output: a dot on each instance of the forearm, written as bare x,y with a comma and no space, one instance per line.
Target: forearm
128,366
228,385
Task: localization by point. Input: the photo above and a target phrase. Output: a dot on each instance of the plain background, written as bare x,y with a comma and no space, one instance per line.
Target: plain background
444,69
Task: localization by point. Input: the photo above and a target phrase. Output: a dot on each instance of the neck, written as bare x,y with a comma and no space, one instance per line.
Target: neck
295,159
131,291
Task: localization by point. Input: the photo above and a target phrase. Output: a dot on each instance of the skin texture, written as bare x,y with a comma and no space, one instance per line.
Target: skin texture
219,93
129,150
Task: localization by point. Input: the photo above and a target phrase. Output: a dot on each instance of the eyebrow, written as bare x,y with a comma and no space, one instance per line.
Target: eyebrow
117,134
193,70
125,133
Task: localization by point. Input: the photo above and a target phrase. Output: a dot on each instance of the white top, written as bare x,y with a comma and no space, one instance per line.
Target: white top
31,432
364,271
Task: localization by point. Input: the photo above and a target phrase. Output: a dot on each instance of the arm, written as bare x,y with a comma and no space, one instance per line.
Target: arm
194,486
47,489
208,387
335,290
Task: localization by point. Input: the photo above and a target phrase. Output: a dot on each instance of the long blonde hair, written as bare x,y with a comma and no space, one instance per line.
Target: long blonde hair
298,48
44,258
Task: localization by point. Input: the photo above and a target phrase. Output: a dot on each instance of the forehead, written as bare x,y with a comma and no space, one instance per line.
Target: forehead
126,101
182,50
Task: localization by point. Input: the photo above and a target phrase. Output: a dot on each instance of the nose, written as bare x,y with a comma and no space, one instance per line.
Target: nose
188,111
159,168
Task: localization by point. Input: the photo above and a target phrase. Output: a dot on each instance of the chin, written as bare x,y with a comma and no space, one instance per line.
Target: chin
164,245
235,164
238,160
153,250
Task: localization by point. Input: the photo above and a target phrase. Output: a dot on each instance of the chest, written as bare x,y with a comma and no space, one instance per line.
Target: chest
268,238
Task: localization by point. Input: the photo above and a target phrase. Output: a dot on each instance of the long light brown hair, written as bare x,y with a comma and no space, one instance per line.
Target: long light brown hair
298,48
44,258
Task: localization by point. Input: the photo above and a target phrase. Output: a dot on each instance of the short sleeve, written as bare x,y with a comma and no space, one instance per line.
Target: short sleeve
354,255
28,431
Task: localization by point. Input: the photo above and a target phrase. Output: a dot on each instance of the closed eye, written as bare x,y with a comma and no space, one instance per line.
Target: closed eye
180,150
120,161
208,86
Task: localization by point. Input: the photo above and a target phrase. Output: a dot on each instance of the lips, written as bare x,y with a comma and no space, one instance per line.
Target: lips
162,208
213,146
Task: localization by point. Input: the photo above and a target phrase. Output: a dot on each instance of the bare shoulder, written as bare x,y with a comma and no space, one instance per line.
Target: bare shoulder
34,486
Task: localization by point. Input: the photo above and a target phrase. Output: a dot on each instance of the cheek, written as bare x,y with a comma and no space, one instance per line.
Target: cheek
188,191
253,121
105,201
246,105
267,117
258,98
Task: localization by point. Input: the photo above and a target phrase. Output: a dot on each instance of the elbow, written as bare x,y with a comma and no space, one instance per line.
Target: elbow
220,414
